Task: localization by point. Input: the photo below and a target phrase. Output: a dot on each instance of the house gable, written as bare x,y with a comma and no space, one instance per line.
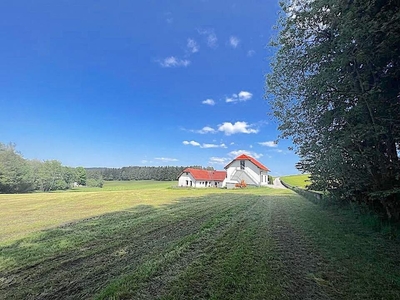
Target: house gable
248,169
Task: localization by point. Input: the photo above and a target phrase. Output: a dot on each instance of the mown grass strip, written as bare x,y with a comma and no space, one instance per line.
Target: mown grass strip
357,262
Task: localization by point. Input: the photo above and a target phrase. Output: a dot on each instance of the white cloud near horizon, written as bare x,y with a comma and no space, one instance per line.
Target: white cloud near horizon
192,46
166,159
242,96
238,127
204,145
236,153
212,40
172,61
271,144
234,42
209,102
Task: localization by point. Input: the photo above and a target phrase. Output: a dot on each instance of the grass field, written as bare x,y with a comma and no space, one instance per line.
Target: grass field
148,241
297,180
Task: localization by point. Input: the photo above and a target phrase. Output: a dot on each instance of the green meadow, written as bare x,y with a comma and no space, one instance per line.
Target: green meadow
149,240
300,181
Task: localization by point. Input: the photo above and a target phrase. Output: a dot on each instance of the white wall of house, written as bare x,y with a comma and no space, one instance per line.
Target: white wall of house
187,180
251,174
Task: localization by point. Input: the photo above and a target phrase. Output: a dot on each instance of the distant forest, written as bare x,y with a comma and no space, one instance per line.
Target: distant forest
167,173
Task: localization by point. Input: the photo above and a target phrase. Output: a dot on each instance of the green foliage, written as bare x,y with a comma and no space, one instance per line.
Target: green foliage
335,91
81,175
167,173
270,179
15,176
18,175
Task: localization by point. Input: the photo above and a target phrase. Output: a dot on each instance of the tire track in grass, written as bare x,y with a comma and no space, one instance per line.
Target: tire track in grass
152,278
238,263
298,258
76,274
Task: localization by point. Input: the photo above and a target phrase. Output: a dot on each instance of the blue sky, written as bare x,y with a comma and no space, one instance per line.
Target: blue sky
119,83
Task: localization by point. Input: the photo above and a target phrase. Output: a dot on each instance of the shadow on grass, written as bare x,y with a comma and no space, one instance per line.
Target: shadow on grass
78,259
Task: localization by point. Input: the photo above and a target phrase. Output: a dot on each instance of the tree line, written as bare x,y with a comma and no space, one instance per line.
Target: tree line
335,90
162,173
20,175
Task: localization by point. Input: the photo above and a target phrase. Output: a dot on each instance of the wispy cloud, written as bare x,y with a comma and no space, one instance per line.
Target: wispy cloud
205,130
165,159
172,61
193,143
236,153
242,96
192,46
250,53
212,40
271,144
214,146
204,145
234,42
218,160
145,161
209,102
168,17
238,127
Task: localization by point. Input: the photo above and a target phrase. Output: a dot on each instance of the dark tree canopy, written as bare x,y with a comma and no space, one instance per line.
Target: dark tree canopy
335,90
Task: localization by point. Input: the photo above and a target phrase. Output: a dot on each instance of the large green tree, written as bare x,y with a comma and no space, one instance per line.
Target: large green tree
15,175
335,90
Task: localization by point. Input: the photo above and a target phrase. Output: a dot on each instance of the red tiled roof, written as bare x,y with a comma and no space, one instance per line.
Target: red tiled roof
253,160
205,174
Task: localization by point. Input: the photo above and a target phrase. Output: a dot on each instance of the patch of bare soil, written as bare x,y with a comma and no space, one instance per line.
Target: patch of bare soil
300,262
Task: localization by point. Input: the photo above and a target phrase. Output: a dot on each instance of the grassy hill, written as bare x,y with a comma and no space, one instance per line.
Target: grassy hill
297,180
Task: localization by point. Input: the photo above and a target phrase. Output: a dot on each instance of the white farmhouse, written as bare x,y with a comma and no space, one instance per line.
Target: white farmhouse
245,168
191,177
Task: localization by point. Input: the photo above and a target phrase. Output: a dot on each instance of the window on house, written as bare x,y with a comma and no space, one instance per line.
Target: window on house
242,164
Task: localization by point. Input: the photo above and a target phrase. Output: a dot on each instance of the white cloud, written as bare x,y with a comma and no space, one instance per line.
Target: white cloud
172,61
236,153
165,159
193,143
250,53
242,96
209,102
205,130
204,145
214,146
238,127
218,160
234,42
192,46
212,40
271,144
